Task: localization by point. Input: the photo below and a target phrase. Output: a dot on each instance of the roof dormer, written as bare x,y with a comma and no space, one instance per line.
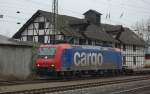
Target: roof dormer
93,16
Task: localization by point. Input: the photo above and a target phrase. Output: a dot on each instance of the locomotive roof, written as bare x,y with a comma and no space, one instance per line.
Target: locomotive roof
81,28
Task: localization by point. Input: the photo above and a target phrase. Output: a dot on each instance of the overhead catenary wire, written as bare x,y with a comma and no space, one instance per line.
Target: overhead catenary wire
146,2
146,13
8,21
119,5
140,11
119,18
41,4
143,11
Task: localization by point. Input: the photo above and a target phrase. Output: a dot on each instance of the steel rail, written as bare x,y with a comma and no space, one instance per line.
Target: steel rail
22,82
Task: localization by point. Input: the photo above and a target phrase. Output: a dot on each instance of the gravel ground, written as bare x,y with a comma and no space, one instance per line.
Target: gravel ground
56,84
108,89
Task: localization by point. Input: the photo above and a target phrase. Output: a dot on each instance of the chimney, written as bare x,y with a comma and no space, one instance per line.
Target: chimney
93,16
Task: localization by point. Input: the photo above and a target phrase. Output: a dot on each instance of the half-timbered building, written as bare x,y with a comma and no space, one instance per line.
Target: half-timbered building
86,31
131,46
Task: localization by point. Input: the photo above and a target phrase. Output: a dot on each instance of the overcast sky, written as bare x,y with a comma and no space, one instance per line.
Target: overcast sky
122,12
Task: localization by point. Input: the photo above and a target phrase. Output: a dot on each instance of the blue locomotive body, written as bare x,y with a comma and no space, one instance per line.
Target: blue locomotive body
78,59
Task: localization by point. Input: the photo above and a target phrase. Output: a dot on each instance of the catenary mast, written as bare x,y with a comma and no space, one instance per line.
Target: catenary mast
55,19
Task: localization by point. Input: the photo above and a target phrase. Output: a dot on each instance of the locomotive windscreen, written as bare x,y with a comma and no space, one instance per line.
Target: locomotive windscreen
49,52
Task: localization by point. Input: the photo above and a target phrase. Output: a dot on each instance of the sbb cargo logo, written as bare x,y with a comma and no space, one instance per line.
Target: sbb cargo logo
88,59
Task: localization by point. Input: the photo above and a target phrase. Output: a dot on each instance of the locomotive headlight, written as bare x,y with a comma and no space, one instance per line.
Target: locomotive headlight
38,65
52,65
45,57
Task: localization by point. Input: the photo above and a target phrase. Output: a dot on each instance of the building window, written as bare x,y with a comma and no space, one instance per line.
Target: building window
29,38
72,41
41,25
117,45
52,39
98,43
124,60
134,48
41,39
134,60
69,39
124,47
147,56
82,41
89,42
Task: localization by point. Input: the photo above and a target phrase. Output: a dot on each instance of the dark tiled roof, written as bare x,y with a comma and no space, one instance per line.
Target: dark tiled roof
124,35
96,32
92,11
68,31
78,22
108,27
129,37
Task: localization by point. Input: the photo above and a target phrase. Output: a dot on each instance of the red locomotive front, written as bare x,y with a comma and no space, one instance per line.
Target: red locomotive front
49,58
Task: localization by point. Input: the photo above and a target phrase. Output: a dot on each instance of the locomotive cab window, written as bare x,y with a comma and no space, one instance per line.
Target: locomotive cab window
49,52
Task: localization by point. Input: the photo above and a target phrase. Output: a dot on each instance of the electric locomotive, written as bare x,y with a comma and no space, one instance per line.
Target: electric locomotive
63,58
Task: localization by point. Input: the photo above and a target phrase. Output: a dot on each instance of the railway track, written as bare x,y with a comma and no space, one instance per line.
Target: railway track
45,80
20,82
9,83
76,86
16,82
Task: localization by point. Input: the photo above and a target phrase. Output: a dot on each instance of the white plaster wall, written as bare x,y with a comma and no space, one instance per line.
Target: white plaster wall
46,38
24,38
139,53
41,32
39,19
36,25
35,38
30,32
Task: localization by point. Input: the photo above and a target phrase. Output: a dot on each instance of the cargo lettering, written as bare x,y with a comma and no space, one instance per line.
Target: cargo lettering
87,59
